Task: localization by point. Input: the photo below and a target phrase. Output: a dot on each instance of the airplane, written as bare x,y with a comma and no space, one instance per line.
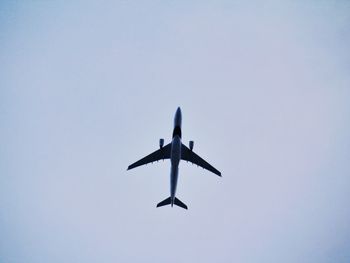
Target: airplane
175,151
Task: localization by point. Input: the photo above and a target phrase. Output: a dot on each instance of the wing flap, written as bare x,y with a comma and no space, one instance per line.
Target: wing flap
188,155
161,154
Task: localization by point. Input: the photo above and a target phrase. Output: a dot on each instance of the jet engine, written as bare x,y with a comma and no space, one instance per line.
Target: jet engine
191,144
161,143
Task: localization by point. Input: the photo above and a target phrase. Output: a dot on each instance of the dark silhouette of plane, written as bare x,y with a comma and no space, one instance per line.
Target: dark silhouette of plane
175,151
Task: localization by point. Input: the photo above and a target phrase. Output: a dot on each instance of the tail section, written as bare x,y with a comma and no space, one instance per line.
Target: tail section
165,202
168,202
179,203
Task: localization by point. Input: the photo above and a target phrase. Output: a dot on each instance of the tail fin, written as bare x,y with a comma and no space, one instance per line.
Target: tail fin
168,202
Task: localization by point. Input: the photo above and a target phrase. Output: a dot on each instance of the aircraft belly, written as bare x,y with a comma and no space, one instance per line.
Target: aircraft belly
175,160
176,151
173,180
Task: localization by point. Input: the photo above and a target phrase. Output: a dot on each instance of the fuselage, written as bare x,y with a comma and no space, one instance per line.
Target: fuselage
175,154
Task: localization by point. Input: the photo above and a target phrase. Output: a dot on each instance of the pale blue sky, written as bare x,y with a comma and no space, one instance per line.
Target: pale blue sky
87,89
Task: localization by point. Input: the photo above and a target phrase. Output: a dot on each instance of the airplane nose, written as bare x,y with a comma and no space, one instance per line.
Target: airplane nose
178,113
178,117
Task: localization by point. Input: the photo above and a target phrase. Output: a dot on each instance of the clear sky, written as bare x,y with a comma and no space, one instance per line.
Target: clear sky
88,88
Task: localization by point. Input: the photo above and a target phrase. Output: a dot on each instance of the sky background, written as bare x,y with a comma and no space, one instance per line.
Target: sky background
88,88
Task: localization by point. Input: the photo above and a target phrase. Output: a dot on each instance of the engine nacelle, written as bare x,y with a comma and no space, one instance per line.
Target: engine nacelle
191,144
161,143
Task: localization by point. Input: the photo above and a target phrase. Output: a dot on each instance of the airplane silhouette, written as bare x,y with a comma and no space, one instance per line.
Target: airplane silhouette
175,151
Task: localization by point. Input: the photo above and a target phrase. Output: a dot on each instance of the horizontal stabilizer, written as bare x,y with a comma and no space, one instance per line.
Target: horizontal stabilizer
168,202
165,202
179,203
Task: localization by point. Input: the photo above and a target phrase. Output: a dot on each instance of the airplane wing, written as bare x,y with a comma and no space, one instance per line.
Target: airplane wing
188,155
161,154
